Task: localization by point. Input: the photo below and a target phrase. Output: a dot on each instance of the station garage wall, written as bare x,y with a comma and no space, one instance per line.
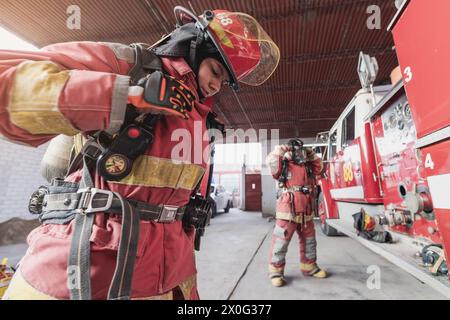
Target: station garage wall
19,178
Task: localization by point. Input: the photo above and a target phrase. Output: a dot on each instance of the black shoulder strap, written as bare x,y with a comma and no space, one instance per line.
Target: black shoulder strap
195,44
284,171
211,123
146,62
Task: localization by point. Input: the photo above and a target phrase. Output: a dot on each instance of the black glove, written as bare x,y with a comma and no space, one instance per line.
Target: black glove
164,94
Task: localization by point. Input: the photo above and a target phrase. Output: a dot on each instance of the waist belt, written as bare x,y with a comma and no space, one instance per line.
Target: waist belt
303,189
93,200
64,202
289,216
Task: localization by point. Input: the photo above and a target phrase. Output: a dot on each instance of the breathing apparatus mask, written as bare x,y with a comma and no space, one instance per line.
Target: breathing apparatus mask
298,151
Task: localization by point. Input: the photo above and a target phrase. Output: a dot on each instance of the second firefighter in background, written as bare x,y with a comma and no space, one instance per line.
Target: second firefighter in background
289,164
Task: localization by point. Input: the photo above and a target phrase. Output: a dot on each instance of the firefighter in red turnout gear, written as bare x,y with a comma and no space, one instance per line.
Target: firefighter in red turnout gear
119,225
288,164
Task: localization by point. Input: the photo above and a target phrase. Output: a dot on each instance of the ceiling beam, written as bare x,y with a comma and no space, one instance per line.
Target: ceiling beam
337,55
325,6
323,85
284,123
287,109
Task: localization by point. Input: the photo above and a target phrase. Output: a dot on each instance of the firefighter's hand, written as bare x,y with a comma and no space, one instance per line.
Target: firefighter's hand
288,155
162,94
281,150
310,154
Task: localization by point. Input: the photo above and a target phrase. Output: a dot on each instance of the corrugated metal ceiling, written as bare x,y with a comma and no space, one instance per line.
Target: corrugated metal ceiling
320,41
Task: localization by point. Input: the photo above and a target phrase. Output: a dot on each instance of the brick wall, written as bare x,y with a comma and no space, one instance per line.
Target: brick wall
19,178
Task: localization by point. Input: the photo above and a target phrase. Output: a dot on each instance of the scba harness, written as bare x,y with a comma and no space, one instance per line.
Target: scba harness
113,157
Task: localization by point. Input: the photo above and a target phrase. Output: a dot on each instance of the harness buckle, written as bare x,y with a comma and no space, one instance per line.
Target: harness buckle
303,189
85,205
92,149
37,200
168,214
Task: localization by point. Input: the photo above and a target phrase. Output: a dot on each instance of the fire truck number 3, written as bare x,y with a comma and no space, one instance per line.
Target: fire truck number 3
408,74
429,162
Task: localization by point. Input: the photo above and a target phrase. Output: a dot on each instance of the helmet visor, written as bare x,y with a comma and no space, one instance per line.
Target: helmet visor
253,55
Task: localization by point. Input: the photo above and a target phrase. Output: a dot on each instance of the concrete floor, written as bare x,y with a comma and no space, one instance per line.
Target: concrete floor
232,264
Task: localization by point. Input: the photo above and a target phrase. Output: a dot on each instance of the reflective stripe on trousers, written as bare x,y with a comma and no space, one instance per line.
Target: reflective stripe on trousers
282,235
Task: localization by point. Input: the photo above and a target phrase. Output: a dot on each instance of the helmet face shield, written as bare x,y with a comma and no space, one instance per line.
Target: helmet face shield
250,55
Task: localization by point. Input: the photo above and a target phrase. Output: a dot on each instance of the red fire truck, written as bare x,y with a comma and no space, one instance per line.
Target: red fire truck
388,153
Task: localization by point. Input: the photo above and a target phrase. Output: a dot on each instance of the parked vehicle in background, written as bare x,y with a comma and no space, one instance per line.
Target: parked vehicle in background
222,199
235,198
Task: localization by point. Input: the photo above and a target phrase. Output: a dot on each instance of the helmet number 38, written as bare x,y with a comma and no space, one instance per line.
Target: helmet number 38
224,19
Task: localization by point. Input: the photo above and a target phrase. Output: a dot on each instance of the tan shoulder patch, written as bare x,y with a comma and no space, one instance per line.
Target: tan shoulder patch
122,51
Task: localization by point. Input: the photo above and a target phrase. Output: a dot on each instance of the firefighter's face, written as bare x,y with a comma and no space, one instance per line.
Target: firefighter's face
211,76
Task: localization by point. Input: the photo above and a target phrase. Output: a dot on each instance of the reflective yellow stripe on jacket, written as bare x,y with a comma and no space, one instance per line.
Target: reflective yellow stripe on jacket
34,98
163,173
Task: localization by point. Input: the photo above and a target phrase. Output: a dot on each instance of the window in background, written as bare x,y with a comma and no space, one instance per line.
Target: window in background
9,41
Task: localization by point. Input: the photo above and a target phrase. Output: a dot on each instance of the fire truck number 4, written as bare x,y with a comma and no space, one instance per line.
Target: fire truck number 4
429,162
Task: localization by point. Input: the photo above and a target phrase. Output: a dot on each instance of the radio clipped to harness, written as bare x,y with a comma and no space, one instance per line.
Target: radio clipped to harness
197,216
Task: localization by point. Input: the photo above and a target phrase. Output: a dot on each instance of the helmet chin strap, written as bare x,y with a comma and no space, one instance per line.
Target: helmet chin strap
199,92
195,44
